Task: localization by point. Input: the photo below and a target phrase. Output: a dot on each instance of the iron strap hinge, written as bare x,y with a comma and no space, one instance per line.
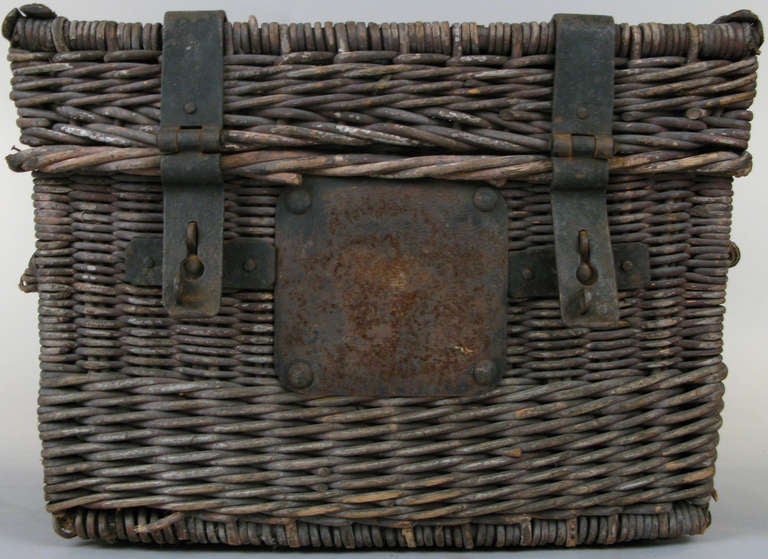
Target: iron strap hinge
582,121
191,119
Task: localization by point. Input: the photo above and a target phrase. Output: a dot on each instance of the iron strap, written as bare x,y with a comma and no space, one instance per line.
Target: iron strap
582,120
190,128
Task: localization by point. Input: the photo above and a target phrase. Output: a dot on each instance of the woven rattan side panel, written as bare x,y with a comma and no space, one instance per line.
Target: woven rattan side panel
189,419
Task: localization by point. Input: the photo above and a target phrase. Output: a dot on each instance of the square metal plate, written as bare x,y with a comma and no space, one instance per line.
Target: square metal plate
390,288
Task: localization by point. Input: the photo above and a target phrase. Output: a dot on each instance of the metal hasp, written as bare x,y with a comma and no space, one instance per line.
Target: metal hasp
533,273
190,128
582,121
248,263
390,288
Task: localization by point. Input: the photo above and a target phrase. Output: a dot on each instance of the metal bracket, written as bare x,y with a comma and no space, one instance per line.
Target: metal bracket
533,273
247,263
582,121
190,127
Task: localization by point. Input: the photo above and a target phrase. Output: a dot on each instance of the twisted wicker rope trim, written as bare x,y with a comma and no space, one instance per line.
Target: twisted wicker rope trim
286,167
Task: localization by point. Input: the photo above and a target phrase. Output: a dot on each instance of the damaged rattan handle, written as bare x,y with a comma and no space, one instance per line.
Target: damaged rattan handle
28,280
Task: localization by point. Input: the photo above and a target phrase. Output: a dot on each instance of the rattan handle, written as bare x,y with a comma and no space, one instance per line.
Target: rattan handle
28,280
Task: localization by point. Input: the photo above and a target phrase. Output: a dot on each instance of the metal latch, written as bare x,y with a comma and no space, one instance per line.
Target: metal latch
190,128
582,120
533,273
247,263
191,261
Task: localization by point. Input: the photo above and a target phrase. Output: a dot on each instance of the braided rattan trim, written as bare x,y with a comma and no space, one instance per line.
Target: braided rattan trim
734,37
152,526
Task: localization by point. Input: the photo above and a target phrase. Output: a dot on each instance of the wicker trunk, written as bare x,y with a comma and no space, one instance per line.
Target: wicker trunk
161,425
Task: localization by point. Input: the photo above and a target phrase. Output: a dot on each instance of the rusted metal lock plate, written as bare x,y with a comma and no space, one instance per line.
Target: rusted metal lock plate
390,288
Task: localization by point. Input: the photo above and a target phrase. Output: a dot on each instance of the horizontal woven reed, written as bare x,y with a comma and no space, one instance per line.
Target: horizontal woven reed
158,430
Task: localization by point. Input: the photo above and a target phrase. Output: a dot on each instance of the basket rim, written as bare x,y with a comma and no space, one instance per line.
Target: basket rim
36,27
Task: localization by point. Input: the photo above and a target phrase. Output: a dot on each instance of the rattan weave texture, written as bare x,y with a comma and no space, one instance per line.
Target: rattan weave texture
161,430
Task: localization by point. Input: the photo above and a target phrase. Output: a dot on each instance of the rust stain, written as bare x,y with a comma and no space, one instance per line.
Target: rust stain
391,288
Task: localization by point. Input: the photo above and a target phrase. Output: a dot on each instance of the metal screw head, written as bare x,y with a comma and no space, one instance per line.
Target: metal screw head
527,274
582,113
627,266
300,375
485,199
148,262
249,265
190,108
484,372
298,200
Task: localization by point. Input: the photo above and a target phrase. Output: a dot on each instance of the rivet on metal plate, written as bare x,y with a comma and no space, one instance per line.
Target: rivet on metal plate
300,374
298,200
485,199
485,372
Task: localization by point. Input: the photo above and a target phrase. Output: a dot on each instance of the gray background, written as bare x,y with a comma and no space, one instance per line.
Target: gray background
740,517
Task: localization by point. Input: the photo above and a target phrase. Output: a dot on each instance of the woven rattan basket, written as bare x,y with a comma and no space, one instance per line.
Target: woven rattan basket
472,363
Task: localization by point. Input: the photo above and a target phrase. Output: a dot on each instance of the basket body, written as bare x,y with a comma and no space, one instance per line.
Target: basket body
158,429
